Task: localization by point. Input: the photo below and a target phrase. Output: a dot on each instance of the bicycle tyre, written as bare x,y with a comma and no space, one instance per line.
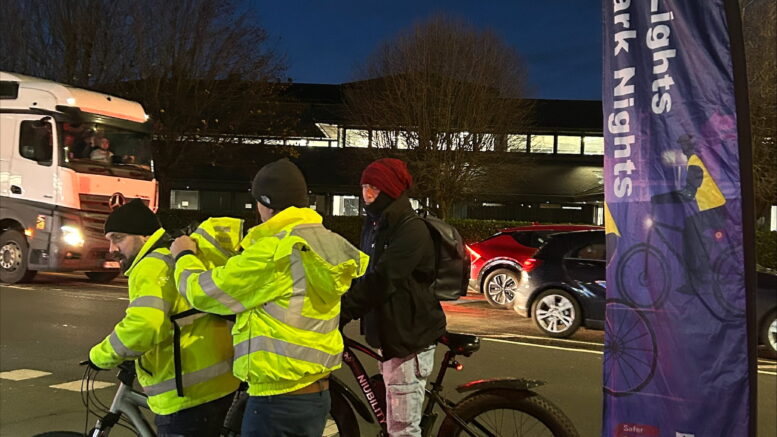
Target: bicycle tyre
622,269
526,401
722,278
60,434
342,414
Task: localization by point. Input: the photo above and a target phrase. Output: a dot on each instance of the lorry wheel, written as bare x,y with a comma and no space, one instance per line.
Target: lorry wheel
14,252
101,277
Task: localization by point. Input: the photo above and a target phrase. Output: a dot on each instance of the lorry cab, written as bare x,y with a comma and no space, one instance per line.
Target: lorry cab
67,157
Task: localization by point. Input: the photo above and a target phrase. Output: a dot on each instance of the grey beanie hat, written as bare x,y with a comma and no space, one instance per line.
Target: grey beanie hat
279,185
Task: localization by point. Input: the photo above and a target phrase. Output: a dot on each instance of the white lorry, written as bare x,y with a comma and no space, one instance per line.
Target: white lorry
67,157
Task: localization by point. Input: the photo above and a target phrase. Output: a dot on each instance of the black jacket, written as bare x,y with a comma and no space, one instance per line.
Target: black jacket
399,311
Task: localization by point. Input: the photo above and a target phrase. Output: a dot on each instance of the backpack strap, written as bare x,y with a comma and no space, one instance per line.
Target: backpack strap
177,344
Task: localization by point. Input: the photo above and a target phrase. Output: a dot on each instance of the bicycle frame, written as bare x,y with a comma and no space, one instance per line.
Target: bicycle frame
127,402
378,403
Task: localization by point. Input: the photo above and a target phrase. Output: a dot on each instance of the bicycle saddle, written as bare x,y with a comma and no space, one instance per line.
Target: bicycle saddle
461,344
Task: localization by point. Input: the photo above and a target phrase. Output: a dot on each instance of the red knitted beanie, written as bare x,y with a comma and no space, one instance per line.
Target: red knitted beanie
389,175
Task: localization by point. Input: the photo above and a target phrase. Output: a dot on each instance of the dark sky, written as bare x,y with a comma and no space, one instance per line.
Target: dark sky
324,40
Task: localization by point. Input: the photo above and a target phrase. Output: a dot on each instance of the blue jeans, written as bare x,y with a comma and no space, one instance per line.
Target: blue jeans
405,380
286,415
203,420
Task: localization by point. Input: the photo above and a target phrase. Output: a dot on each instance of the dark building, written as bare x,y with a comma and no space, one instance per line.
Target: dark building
549,173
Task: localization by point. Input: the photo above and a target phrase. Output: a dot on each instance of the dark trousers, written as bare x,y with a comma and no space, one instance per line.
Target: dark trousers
286,415
201,421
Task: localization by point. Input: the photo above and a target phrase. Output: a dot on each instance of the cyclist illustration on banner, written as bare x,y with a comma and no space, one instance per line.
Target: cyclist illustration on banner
646,271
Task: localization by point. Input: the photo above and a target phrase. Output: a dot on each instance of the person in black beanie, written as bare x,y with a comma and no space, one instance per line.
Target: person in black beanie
289,262
145,332
398,311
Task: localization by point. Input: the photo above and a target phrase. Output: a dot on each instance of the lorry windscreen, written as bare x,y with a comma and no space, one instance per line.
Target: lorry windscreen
103,149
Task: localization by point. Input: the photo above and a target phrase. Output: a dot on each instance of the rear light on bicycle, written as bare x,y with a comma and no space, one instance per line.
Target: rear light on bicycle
530,264
459,366
474,256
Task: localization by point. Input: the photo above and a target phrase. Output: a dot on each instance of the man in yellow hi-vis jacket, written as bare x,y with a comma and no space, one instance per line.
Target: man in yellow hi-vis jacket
285,288
196,406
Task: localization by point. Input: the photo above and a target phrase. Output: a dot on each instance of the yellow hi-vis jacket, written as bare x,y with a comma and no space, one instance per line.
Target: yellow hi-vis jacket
285,288
145,334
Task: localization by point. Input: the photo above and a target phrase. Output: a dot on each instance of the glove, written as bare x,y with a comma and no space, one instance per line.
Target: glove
92,365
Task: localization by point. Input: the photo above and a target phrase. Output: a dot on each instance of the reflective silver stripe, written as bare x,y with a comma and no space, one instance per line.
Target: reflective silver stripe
186,321
209,238
293,315
225,229
151,302
280,235
286,349
299,321
166,258
120,349
183,282
190,379
211,289
326,244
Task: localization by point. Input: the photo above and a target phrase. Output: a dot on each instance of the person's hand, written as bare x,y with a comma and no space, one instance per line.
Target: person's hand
181,244
92,365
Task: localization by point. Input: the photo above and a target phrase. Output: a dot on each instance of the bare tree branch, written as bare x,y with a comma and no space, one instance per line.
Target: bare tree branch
447,93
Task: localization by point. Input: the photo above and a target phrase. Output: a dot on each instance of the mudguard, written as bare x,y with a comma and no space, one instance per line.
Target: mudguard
337,387
500,383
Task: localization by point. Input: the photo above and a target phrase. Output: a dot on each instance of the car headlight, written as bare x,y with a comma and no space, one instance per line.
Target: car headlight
72,236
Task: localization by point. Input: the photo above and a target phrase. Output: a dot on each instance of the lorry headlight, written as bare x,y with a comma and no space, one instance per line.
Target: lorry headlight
72,236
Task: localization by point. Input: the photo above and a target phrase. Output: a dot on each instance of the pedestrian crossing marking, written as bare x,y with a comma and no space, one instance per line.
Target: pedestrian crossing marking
76,385
22,374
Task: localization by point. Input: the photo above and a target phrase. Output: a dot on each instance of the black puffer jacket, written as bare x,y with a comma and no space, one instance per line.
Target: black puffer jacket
400,313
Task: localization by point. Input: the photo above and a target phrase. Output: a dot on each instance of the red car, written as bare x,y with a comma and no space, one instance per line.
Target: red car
498,260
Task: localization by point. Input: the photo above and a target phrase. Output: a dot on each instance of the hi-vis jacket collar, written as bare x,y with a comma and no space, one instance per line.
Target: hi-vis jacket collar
152,240
289,217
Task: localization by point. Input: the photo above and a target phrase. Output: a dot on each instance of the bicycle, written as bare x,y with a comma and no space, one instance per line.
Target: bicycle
650,270
493,407
126,409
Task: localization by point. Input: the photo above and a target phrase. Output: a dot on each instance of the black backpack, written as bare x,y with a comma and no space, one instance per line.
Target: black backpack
452,263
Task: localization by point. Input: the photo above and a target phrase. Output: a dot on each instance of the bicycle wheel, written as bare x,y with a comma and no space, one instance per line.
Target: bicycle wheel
60,434
643,277
505,412
729,277
630,350
341,421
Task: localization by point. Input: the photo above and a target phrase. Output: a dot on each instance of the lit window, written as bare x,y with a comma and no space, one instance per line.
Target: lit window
384,139
593,145
184,199
568,144
329,130
357,138
516,143
541,143
345,205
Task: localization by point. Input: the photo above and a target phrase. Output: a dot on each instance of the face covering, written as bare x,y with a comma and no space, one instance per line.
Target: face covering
376,208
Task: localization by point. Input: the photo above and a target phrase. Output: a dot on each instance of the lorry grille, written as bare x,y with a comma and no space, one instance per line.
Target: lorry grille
95,211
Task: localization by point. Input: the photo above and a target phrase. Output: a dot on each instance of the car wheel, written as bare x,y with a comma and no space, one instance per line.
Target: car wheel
769,334
500,287
556,313
13,257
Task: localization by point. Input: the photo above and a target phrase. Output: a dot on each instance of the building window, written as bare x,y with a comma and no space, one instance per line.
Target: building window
541,143
357,138
329,130
345,205
184,199
568,145
593,145
517,143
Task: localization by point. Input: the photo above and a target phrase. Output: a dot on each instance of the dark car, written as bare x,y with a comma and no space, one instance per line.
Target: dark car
563,288
498,260
563,283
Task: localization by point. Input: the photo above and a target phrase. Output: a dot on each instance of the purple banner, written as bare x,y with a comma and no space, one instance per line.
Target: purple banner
676,345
